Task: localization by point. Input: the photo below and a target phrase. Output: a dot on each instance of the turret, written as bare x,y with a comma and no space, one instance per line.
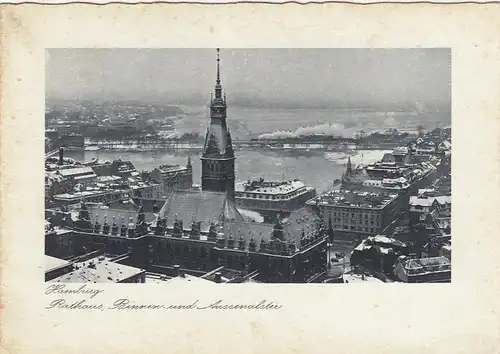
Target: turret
123,228
131,228
212,233
105,226
277,232
141,228
230,241
221,239
195,232
177,227
160,226
263,245
241,241
252,245
97,226
114,227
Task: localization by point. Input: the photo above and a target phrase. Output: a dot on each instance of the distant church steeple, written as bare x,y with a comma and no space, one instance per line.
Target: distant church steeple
349,167
217,161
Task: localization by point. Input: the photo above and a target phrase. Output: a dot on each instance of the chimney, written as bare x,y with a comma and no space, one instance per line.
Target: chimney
218,277
61,156
177,270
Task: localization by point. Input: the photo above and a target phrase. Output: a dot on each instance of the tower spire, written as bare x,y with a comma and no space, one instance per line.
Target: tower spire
218,87
218,155
218,69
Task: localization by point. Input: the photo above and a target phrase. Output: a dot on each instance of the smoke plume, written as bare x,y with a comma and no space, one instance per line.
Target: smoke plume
327,129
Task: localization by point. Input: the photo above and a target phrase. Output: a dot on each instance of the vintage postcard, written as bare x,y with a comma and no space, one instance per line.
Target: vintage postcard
188,178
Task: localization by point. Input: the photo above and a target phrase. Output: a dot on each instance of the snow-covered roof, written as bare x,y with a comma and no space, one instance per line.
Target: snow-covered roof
415,200
53,263
270,188
356,278
189,278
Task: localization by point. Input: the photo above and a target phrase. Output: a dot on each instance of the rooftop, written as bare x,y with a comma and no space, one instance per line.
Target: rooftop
171,168
269,187
70,172
301,223
53,263
98,270
200,206
357,278
86,193
379,240
353,198
427,265
415,200
119,215
400,150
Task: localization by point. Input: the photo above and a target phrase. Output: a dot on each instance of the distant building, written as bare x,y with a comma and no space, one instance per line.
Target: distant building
353,213
118,168
145,190
426,204
92,196
396,172
273,197
423,270
72,141
378,253
173,176
83,176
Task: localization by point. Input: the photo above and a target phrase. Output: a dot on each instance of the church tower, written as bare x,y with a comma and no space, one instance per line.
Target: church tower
217,161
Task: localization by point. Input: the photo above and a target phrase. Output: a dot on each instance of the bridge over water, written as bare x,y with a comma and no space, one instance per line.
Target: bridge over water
292,144
330,144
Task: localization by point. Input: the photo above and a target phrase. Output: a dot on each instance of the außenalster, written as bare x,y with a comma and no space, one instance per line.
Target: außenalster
262,305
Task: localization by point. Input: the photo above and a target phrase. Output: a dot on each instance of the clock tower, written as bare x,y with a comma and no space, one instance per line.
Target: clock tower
217,161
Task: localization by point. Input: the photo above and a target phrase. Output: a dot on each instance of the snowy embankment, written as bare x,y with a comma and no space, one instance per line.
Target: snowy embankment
364,157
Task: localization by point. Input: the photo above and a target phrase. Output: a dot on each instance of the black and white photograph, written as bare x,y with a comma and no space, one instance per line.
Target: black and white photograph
222,165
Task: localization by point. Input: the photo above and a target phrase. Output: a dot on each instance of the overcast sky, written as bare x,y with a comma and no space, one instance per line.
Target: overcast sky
297,77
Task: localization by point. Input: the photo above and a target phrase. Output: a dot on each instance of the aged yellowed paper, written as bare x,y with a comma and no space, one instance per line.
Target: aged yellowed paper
460,316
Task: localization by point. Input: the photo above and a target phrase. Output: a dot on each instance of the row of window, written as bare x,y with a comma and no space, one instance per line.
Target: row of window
178,248
216,167
354,228
355,213
257,204
271,196
354,221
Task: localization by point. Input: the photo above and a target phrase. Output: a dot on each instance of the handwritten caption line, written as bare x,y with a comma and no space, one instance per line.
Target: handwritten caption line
127,304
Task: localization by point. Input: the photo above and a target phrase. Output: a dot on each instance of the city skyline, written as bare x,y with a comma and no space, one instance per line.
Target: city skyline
295,78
